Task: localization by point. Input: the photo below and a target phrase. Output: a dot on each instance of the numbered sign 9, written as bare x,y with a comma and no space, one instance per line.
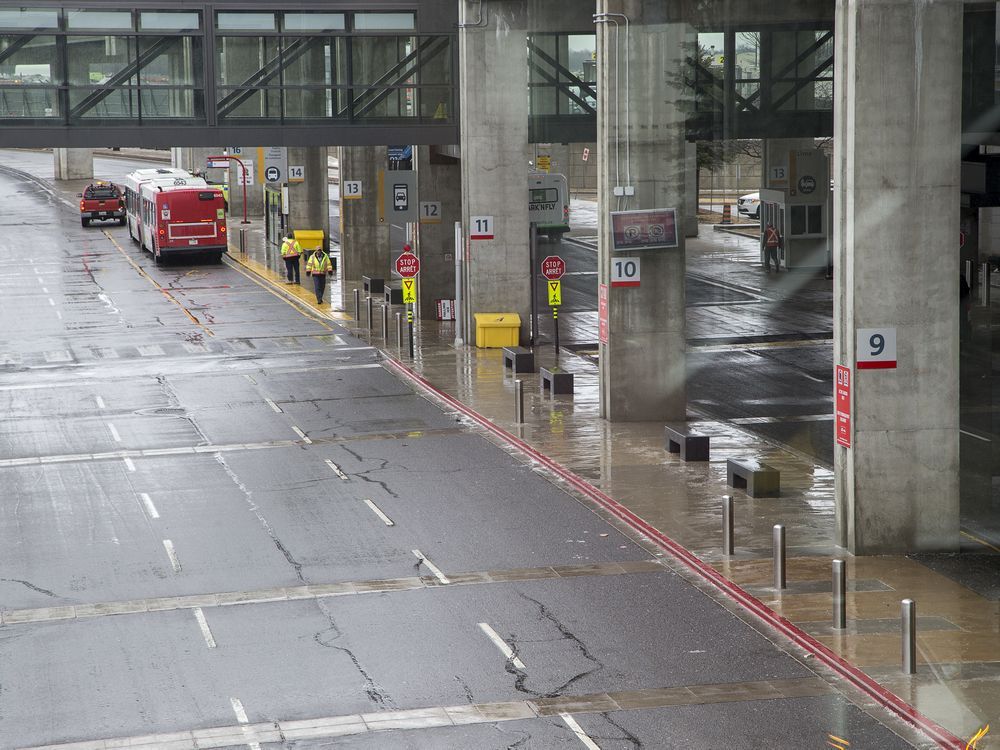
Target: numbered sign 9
624,272
876,348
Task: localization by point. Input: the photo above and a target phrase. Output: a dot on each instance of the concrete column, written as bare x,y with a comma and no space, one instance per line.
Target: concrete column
309,201
642,366
495,153
193,159
897,146
255,190
364,247
73,163
439,179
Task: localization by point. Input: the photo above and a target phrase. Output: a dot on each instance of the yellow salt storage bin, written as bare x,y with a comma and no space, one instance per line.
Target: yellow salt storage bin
495,330
310,239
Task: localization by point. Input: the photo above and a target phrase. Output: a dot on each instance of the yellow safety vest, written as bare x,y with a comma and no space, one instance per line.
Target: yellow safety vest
290,248
319,262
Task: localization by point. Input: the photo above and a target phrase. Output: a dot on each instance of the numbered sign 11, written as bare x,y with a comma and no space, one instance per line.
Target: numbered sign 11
876,349
480,227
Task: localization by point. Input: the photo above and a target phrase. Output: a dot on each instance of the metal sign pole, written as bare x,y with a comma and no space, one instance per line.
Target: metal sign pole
409,326
533,254
555,324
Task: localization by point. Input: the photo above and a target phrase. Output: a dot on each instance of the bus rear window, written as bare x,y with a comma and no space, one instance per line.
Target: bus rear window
208,196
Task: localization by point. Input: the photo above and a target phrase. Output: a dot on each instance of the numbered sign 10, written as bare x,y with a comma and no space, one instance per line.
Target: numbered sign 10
480,227
876,349
624,272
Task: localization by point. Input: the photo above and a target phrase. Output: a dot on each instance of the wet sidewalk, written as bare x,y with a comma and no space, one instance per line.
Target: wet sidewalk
957,684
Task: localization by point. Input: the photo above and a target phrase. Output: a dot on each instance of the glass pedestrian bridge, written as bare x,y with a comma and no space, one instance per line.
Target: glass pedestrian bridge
207,74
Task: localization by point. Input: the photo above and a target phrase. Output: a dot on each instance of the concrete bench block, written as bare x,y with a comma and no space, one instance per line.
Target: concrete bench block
556,380
372,285
680,438
520,358
758,479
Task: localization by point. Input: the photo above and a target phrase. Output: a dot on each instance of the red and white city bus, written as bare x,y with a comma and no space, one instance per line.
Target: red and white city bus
171,212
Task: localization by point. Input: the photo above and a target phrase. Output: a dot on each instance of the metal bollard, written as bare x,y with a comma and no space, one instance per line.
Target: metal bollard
519,401
984,285
779,556
727,525
909,624
357,307
839,595
368,307
385,324
968,272
399,331
243,241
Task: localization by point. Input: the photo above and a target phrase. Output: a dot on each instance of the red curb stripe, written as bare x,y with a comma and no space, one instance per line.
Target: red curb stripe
843,668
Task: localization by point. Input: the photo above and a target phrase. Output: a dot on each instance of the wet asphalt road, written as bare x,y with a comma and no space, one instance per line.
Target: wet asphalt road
220,513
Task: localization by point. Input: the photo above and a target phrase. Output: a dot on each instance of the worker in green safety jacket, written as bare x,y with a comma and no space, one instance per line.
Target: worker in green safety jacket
319,267
290,252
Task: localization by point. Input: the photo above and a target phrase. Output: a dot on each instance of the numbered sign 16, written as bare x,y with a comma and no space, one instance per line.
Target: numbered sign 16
876,348
481,227
352,190
624,272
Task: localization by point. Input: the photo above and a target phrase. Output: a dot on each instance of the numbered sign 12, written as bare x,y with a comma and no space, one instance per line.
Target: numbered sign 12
876,349
352,190
430,212
624,272
480,227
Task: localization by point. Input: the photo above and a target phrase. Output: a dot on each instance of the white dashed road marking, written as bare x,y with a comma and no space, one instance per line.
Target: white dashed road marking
150,508
578,731
431,567
114,433
336,469
205,630
274,406
385,519
174,562
501,644
302,435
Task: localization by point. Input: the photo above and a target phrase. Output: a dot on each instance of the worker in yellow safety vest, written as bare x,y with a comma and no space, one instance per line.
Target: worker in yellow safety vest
772,241
290,252
319,267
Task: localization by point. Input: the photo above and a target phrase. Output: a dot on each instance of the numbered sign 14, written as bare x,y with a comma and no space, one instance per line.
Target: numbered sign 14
876,349
624,272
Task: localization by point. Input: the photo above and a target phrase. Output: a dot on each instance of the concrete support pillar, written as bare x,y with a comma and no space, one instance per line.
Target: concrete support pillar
439,180
495,153
897,146
642,366
193,159
255,190
309,201
364,246
73,163
691,190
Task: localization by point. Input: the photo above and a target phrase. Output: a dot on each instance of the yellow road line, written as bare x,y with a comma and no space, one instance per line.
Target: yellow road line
165,292
983,542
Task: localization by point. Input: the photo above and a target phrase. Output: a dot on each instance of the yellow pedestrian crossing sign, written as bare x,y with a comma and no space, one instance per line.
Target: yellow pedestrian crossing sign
409,291
555,293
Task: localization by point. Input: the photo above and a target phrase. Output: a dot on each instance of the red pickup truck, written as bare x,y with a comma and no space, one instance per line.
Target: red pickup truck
101,201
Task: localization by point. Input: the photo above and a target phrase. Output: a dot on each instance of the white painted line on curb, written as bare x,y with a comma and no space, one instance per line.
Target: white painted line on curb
114,433
205,630
385,519
578,731
100,402
169,547
501,644
250,379
302,435
52,302
431,567
274,406
45,289
150,508
128,464
336,470
59,315
241,717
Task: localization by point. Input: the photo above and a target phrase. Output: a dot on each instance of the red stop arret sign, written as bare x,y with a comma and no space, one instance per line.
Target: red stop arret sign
407,265
553,267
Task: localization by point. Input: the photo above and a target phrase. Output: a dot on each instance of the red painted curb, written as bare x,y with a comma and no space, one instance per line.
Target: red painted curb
750,603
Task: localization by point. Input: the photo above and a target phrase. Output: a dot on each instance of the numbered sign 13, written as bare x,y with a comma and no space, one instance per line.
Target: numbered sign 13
876,349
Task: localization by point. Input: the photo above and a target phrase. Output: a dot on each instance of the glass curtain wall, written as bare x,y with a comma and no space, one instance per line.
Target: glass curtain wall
97,65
